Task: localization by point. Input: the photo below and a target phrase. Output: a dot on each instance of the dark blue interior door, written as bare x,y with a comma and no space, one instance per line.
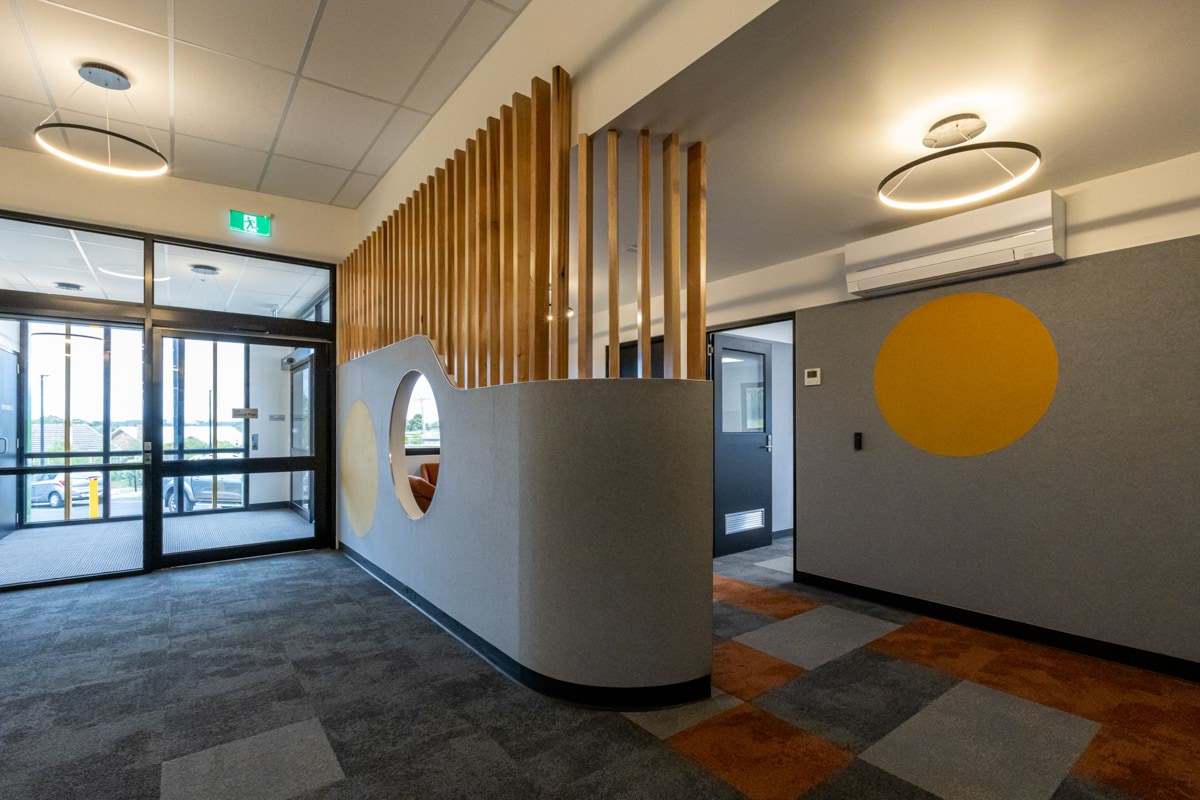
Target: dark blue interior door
742,441
8,441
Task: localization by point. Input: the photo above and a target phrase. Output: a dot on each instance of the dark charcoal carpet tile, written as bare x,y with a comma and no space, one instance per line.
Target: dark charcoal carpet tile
198,724
329,676
861,781
588,746
522,721
1075,787
87,779
372,731
35,743
730,621
876,610
855,700
652,773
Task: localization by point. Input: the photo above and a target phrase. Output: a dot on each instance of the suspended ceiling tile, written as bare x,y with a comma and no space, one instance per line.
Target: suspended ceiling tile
228,100
149,15
303,180
216,162
18,76
18,118
379,48
355,190
394,140
330,126
471,39
271,32
64,40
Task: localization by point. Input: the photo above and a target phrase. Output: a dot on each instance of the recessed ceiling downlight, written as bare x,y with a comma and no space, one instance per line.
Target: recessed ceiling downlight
67,287
957,156
205,270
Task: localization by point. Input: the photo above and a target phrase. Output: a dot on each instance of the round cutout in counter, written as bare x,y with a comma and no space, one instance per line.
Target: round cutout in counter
415,426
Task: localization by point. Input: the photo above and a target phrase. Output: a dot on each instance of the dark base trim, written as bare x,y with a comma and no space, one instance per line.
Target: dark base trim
1144,659
614,698
781,535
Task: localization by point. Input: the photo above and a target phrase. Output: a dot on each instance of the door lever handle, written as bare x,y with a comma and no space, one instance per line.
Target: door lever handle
770,447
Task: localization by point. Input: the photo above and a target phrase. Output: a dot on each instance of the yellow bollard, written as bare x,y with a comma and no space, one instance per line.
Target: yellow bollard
93,498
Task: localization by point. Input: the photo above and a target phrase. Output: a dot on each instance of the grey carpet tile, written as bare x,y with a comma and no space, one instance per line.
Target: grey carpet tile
975,742
818,636
650,773
65,551
1075,787
855,700
730,621
584,748
274,765
188,532
862,781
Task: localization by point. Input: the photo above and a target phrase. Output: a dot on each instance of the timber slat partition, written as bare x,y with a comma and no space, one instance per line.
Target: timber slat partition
477,258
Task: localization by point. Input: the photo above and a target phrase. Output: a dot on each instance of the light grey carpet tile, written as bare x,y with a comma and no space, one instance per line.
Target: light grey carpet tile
670,721
975,743
782,564
274,765
818,636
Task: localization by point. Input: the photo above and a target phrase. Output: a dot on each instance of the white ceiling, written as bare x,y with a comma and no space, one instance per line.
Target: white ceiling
313,99
805,109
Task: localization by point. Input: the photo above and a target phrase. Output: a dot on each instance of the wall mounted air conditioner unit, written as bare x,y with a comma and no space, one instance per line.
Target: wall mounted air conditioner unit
1018,234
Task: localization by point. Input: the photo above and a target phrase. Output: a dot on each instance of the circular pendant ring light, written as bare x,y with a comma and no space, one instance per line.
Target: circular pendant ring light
886,194
108,78
148,172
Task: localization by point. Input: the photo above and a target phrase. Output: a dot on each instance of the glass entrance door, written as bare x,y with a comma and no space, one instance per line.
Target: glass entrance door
240,464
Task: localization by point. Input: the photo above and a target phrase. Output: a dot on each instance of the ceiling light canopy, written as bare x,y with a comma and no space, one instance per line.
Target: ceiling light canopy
101,149
956,157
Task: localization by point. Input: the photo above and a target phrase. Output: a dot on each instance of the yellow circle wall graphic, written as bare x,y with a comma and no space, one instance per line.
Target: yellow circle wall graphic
966,374
360,468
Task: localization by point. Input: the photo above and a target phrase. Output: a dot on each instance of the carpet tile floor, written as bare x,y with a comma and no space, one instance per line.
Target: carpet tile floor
300,677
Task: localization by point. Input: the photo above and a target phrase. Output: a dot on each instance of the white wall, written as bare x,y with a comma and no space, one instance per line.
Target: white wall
35,183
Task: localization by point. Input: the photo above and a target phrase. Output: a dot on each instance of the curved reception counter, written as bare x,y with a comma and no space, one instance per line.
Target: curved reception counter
569,539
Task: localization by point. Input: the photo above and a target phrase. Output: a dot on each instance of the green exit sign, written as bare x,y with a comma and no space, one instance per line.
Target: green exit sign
249,223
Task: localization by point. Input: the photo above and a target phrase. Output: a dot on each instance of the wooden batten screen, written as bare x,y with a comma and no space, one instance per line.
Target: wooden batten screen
477,258
470,258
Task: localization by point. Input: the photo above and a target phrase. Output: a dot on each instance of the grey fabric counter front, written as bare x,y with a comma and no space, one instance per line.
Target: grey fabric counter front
569,540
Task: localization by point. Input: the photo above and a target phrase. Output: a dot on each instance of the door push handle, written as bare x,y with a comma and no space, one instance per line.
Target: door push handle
769,446
4,439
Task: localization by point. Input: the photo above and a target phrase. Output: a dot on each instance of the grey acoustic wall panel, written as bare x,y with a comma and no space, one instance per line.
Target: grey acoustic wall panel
571,528
1089,524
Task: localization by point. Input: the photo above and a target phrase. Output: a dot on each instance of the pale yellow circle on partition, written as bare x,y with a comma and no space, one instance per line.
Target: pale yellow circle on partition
966,374
360,468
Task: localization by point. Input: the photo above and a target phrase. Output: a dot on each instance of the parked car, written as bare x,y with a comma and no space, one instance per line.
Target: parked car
199,489
50,488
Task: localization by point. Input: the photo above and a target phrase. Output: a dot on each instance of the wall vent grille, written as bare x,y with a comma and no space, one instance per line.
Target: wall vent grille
744,521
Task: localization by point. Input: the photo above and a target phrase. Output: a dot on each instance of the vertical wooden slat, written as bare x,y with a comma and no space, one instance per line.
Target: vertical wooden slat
584,226
614,261
460,266
437,256
522,208
427,206
643,275
471,286
508,306
560,222
697,261
406,288
418,261
540,227
377,290
451,310
672,343
493,251
401,270
481,257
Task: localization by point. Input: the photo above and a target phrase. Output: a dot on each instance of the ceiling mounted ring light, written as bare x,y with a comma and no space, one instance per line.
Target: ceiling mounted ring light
55,137
948,133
